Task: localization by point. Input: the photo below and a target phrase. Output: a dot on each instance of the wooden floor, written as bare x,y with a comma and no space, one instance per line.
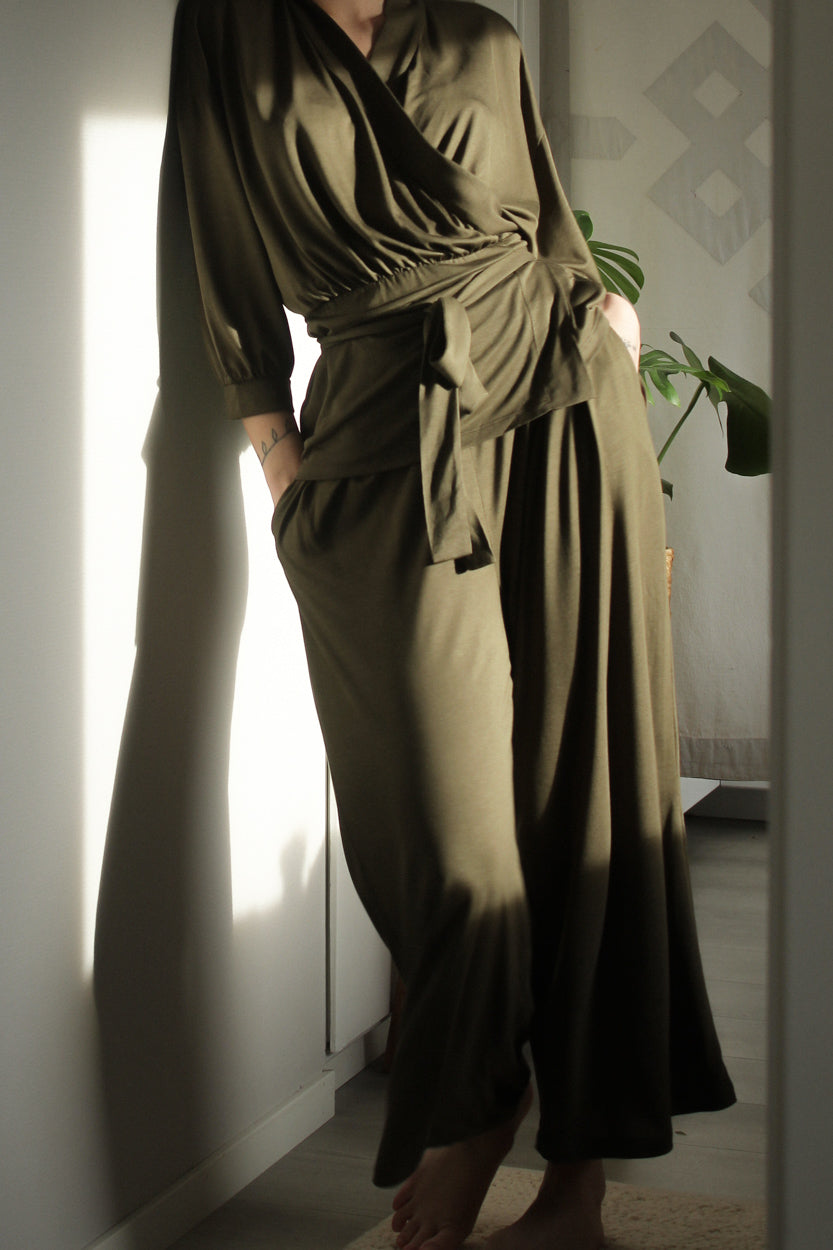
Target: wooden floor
320,1197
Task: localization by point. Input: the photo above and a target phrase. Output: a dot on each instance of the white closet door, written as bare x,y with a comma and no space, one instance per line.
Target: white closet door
359,964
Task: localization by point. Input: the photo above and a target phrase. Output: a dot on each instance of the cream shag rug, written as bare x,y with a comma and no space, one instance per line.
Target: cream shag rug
635,1219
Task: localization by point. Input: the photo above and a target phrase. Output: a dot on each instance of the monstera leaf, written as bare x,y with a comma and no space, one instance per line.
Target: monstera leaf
748,407
657,367
748,413
618,266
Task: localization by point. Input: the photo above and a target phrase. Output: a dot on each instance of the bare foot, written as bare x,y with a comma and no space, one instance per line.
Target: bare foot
437,1207
567,1212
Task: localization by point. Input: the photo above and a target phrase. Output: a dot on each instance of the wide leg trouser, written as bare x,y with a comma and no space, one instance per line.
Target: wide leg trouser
503,746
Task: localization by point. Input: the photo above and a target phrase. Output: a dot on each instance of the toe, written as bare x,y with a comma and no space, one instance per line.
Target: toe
401,1218
407,1229
446,1239
404,1194
427,1236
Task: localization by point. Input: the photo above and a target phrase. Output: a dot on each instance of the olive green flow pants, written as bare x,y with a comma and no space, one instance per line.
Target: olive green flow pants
503,747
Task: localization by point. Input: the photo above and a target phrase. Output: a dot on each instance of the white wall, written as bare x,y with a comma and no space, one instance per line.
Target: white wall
210,978
654,85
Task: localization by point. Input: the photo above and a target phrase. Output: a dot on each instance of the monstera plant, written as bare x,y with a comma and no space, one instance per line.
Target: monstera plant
748,407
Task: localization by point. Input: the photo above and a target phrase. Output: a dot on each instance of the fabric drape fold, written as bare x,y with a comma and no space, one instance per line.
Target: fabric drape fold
448,388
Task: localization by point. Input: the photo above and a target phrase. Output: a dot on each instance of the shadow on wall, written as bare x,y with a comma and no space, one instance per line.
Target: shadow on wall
164,921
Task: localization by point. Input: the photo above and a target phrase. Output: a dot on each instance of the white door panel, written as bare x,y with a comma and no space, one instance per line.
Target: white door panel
360,966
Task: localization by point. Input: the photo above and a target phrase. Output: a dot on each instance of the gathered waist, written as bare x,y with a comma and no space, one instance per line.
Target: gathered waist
398,300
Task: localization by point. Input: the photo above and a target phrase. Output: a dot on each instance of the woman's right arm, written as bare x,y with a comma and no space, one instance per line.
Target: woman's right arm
247,334
275,438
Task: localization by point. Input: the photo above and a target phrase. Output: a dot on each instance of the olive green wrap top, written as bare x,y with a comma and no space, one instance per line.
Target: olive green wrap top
407,205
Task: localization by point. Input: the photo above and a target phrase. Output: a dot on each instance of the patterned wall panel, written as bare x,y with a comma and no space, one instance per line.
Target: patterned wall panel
670,139
717,94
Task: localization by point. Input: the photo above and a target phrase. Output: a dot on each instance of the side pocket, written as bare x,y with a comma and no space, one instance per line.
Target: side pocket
282,512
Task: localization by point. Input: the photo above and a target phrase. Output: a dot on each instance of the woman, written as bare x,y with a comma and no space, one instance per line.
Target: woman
471,521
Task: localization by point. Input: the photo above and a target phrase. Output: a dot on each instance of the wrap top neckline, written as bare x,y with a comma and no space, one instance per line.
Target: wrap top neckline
395,42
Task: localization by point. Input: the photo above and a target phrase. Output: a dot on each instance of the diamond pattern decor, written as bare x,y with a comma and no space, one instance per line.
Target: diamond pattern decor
719,193
717,94
760,143
761,293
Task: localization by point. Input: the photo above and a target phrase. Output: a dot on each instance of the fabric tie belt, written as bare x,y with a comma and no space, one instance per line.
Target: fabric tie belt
351,434
449,388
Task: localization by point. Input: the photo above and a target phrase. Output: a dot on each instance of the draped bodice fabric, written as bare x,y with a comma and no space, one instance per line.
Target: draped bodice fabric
362,191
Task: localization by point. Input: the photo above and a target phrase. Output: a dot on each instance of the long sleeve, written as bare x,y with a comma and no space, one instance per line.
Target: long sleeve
246,327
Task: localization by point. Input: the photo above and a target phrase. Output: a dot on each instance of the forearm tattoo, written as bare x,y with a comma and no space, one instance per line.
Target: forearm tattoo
265,447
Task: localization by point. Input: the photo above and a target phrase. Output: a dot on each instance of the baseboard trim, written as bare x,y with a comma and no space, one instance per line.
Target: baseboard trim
353,1059
693,789
736,800
217,1179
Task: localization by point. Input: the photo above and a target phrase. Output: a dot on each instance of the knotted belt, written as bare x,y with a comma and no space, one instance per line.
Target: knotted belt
350,437
448,389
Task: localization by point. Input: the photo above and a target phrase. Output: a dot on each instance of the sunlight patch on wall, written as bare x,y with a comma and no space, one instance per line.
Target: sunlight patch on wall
120,161
277,789
277,784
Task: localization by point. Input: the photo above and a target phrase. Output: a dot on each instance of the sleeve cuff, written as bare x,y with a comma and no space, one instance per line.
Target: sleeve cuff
248,399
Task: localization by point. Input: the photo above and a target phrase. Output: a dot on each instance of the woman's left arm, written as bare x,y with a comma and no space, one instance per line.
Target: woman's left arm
624,320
